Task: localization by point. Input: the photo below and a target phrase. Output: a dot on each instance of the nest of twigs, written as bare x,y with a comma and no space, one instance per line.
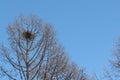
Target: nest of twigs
28,35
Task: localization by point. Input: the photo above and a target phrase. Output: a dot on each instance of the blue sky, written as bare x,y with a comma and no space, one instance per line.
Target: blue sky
86,28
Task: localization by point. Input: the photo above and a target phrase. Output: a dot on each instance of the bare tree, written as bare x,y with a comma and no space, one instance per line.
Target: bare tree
34,53
116,61
113,71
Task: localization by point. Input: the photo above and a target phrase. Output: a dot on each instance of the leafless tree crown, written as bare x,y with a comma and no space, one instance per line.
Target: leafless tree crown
34,53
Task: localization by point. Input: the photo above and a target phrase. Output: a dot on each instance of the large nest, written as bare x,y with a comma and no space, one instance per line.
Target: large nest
28,35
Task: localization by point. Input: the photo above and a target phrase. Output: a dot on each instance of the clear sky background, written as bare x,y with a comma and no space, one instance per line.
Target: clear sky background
86,28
